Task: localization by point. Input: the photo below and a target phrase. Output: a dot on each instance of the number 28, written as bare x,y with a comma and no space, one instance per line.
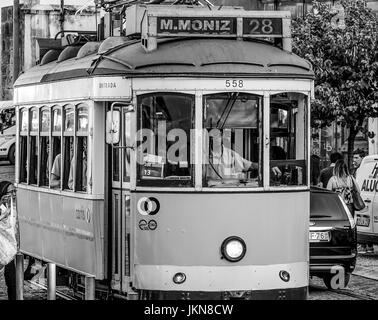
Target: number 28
234,83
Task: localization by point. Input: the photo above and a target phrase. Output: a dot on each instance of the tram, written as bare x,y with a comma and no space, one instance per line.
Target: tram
173,162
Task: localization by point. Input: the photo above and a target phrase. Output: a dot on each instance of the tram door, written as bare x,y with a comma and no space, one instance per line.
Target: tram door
120,222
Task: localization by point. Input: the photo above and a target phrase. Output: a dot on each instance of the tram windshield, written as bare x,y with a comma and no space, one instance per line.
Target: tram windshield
232,140
164,124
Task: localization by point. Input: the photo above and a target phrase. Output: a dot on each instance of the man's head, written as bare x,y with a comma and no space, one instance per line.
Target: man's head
358,155
335,156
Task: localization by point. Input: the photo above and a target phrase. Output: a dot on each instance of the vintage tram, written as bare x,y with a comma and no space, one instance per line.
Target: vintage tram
172,162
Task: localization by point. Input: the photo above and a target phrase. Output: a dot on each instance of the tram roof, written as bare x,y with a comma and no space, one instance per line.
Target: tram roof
183,57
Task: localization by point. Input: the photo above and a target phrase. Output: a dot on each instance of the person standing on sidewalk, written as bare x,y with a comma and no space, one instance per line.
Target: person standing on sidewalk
358,156
327,173
343,183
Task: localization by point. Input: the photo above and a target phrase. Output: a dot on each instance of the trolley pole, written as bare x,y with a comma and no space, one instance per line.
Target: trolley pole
89,288
19,276
51,281
16,39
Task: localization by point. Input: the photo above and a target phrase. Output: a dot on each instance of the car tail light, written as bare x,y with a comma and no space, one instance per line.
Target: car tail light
350,217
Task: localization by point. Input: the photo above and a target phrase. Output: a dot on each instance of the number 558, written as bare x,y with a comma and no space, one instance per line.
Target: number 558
234,83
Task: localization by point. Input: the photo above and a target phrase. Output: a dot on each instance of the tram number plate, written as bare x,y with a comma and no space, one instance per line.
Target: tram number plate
319,236
363,221
262,26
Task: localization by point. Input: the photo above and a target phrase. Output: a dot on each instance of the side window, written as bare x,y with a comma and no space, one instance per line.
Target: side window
81,148
23,145
44,171
33,147
288,146
56,172
68,146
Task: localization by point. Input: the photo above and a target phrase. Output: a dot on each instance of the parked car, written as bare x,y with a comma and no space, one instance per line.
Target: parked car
332,236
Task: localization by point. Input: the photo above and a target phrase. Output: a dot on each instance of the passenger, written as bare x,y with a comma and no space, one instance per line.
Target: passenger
343,183
55,172
327,173
84,175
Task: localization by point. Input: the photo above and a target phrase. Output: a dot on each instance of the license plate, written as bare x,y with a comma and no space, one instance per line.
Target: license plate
319,236
363,221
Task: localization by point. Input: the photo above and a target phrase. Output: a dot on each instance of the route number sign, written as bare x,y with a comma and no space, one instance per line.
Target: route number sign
262,26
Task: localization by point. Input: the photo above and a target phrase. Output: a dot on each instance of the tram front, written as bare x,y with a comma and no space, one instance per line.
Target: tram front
218,176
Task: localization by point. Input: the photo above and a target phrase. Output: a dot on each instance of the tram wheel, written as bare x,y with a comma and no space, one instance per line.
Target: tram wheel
328,280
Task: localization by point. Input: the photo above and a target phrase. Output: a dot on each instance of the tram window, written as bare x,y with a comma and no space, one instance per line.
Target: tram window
45,120
44,166
55,173
34,120
69,116
45,147
116,163
23,158
57,119
68,156
82,118
24,120
81,164
33,164
126,151
288,139
232,145
164,124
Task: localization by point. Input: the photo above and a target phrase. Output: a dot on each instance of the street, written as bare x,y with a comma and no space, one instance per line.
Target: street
362,286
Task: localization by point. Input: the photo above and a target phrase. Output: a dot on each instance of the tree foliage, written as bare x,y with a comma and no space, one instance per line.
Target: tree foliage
344,55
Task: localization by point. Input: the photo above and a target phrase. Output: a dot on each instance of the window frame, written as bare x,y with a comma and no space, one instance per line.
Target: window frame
23,134
43,134
34,134
161,183
56,134
306,146
79,133
260,128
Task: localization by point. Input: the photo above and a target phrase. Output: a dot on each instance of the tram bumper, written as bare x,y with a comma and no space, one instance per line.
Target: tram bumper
276,294
225,283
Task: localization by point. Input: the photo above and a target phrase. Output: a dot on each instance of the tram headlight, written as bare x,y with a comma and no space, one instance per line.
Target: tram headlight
233,249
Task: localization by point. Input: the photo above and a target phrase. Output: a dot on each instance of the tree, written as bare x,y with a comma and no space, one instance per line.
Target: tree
343,49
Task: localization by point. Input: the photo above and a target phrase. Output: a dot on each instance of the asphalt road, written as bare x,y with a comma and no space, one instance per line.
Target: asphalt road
6,171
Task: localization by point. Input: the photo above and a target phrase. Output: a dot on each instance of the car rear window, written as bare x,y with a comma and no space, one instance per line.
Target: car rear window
326,206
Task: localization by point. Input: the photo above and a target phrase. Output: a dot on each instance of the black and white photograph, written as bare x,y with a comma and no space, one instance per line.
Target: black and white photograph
206,150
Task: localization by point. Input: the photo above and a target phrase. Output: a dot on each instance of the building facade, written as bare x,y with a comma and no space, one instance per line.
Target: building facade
38,19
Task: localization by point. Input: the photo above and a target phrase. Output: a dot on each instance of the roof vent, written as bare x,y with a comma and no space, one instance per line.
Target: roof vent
88,49
68,53
50,56
112,42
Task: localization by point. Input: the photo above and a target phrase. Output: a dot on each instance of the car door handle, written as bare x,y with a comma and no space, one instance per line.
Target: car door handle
367,200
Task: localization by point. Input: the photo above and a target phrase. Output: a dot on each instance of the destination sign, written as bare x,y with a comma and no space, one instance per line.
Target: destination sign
262,26
197,25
